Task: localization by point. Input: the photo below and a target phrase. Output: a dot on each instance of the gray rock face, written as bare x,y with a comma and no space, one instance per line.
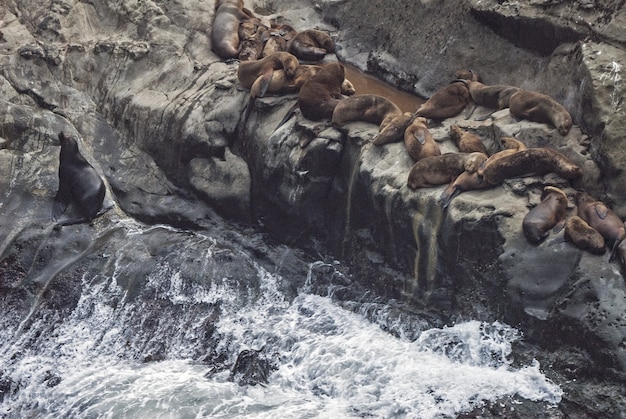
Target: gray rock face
159,116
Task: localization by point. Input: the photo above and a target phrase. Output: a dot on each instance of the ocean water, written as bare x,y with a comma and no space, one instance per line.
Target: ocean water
328,362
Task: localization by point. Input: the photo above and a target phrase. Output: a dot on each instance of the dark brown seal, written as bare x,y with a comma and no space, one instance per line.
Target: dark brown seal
446,102
256,75
581,234
319,95
465,141
419,142
466,181
495,96
392,128
368,108
538,107
602,218
549,214
437,170
529,162
311,45
79,184
225,29
282,84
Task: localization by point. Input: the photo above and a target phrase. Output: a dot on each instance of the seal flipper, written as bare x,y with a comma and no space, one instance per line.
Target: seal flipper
61,200
288,115
448,195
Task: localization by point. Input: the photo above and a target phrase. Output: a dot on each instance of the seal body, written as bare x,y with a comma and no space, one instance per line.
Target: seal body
311,45
79,183
225,29
368,108
466,181
529,162
495,97
581,234
256,75
392,128
548,214
437,170
419,142
282,84
446,102
276,39
319,95
538,107
466,142
601,218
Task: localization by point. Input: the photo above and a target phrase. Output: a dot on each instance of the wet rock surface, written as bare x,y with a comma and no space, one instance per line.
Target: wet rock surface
159,116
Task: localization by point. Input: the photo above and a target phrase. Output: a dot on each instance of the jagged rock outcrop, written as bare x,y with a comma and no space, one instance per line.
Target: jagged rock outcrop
159,116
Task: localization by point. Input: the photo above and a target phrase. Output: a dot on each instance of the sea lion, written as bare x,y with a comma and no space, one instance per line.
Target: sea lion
368,108
549,214
602,218
529,162
256,75
225,29
538,107
392,128
251,38
495,96
319,95
466,181
466,74
311,45
581,234
437,170
446,102
79,184
418,140
281,84
465,141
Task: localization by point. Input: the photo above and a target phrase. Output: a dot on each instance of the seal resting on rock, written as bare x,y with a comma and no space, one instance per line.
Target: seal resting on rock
419,142
495,97
311,45
256,75
538,107
392,128
229,14
583,236
79,184
282,84
466,142
529,162
601,218
466,181
548,215
319,95
437,170
446,102
368,108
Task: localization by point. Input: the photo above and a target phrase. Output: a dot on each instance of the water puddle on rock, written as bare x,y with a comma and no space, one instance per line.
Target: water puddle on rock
367,84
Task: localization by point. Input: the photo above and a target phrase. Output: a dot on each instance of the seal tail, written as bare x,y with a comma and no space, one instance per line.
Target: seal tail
448,195
613,252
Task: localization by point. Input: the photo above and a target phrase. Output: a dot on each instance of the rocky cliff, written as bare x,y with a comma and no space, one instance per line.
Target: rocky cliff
159,115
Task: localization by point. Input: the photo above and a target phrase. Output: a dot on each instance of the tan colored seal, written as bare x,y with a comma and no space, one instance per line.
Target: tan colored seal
538,107
602,218
465,141
392,128
549,214
446,102
281,84
437,170
466,181
529,162
311,45
229,14
368,108
581,234
319,95
419,142
256,75
277,38
495,96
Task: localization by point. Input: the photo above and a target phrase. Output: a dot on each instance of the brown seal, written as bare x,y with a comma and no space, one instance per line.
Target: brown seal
466,181
418,140
79,184
495,96
311,45
368,108
229,14
277,38
319,95
446,102
466,142
549,214
530,162
281,84
467,74
602,218
392,128
256,75
581,234
437,170
251,36
538,107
